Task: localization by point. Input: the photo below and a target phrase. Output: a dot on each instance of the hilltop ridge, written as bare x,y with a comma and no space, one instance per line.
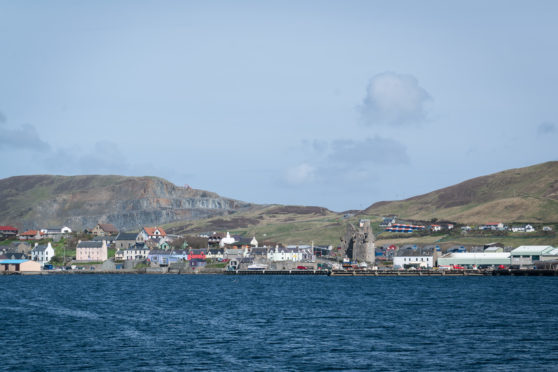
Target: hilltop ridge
83,201
521,194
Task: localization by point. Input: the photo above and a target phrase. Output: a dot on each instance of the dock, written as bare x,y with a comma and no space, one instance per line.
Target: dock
278,272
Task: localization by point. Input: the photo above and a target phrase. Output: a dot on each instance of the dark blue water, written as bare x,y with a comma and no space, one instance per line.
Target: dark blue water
169,322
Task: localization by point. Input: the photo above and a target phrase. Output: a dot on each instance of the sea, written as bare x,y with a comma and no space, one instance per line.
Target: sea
285,323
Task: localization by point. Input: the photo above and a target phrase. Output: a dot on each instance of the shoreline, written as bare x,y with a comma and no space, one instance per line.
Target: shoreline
332,273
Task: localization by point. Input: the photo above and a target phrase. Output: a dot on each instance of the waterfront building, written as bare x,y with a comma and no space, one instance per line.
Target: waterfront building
91,251
164,258
42,253
197,254
474,259
119,255
415,257
138,251
526,255
291,253
19,265
231,253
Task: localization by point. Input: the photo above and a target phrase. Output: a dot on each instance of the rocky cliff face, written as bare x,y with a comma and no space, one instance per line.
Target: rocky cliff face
83,201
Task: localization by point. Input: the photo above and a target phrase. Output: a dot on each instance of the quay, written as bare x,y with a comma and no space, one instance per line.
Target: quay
337,273
399,273
278,272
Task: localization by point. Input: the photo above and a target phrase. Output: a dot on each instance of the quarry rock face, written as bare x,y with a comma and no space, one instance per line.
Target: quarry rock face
358,242
83,201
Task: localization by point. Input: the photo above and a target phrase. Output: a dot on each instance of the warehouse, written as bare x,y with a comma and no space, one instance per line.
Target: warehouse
19,265
525,256
475,259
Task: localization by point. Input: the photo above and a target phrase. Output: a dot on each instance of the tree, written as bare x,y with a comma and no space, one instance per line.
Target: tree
57,260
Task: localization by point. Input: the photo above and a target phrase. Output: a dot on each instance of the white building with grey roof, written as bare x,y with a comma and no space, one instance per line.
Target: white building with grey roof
42,253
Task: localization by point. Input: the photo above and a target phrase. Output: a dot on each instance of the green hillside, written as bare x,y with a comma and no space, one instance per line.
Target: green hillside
523,194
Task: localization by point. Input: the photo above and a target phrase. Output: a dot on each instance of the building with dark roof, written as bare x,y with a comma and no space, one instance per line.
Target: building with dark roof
126,240
91,251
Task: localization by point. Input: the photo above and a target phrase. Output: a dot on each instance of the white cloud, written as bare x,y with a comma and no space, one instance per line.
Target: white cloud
394,99
300,174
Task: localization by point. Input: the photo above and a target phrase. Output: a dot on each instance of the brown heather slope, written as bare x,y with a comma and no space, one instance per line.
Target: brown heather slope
523,194
273,223
83,201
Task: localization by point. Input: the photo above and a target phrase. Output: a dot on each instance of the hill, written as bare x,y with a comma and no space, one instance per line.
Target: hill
523,194
83,201
273,223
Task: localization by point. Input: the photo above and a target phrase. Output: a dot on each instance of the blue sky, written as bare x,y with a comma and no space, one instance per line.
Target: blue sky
338,104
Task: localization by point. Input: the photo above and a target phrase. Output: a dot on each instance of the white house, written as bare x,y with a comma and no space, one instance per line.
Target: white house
254,242
493,226
226,240
295,254
42,253
216,253
526,228
419,257
139,251
152,233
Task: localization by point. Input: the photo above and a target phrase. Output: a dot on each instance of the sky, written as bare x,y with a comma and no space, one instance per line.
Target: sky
338,104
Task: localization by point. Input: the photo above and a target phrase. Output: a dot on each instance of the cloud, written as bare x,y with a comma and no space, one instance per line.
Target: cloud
546,128
394,99
24,137
353,160
300,174
104,157
375,150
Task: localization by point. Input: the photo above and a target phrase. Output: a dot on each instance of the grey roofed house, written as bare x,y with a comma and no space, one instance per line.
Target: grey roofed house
90,244
127,236
16,256
40,248
19,247
138,246
259,251
108,239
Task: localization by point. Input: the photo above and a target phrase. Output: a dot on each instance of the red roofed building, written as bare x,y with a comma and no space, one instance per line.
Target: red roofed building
8,230
152,233
31,235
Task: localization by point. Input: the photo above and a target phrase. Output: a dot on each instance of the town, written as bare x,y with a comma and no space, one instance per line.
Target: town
104,248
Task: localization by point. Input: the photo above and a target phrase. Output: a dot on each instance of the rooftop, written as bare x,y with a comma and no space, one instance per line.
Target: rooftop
532,250
90,244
